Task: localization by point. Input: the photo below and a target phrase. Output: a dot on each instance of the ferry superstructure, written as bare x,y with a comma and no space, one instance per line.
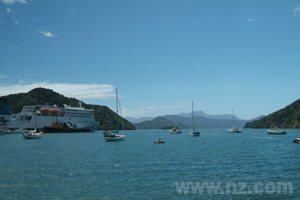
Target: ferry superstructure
39,116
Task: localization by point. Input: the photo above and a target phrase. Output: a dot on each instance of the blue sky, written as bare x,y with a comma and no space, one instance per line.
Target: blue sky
160,54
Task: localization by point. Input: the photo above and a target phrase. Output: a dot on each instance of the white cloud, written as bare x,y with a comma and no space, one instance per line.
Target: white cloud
296,10
73,11
250,20
8,10
47,34
11,2
78,91
35,19
15,21
12,13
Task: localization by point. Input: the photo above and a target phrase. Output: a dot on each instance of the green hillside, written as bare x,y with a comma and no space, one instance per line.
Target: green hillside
288,117
40,96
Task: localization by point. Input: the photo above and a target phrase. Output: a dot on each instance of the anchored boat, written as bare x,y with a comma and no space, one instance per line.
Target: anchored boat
297,140
194,132
175,130
276,131
33,134
159,141
114,135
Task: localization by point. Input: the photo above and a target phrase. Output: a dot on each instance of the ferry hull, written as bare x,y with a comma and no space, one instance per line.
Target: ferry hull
70,130
77,119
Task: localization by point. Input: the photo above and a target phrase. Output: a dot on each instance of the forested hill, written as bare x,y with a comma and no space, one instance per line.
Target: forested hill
158,123
40,96
288,117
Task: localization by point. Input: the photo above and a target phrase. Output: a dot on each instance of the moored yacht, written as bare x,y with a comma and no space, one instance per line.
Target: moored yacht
234,129
34,134
194,132
277,131
114,135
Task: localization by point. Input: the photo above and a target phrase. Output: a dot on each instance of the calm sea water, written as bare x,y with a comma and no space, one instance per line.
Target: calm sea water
84,166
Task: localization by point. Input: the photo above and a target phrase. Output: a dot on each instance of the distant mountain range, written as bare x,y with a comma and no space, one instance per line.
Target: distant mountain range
139,120
288,117
184,120
196,113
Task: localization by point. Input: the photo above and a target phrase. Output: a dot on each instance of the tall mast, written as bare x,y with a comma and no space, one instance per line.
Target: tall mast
232,119
193,113
118,104
117,100
121,115
117,108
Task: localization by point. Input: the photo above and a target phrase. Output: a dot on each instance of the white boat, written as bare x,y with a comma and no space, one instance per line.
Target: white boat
234,129
175,130
115,138
276,131
194,132
33,134
114,135
40,116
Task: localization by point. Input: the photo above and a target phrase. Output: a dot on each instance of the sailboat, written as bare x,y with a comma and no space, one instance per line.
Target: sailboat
34,134
114,135
234,129
276,130
194,132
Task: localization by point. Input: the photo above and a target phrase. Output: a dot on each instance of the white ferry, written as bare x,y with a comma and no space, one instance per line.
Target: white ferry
41,116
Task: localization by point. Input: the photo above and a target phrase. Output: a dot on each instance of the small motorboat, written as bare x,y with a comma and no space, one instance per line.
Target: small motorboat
159,141
297,140
175,130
